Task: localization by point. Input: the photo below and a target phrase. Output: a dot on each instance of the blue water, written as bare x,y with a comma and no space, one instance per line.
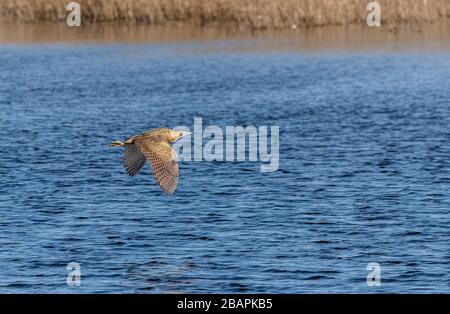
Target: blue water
364,171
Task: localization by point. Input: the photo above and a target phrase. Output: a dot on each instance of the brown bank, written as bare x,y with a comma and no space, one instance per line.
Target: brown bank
252,14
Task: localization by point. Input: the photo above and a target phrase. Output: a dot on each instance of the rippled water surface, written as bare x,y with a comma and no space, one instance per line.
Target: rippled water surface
363,177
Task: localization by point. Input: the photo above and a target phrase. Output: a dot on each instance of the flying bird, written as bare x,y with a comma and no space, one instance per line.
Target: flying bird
156,147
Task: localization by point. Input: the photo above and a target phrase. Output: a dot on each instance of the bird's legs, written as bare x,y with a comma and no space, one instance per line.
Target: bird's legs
117,144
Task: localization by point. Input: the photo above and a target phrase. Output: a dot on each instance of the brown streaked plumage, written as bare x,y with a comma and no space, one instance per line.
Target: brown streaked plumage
154,146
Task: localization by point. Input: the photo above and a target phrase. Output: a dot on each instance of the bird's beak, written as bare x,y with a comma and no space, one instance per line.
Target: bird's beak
185,133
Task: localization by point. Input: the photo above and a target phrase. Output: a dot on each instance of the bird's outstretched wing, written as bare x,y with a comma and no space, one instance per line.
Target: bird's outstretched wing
163,160
133,160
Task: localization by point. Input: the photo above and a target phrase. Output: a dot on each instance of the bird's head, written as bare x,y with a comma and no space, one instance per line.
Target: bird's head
175,135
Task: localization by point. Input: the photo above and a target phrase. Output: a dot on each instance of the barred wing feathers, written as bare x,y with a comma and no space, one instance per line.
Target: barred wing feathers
163,160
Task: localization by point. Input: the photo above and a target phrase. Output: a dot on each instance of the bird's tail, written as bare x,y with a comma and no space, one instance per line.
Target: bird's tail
117,144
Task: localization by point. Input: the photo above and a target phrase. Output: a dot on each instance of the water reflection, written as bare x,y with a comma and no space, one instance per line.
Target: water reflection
429,37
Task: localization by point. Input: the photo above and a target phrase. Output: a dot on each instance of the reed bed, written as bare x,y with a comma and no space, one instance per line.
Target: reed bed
255,14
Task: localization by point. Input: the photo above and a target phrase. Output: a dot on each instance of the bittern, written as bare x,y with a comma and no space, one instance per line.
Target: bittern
156,147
